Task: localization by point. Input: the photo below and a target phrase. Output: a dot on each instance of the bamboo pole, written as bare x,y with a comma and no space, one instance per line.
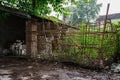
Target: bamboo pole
100,50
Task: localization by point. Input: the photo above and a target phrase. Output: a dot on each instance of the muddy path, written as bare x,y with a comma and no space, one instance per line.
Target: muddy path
23,69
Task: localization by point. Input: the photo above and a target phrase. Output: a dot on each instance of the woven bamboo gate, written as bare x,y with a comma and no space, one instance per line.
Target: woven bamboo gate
90,46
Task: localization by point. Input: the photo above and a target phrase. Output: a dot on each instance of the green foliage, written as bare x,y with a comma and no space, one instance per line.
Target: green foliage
85,46
52,18
43,7
117,24
85,11
38,7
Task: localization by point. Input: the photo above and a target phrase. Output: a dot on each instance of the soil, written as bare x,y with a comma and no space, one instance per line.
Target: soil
24,69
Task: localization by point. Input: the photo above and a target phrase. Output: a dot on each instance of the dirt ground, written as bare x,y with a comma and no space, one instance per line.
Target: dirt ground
24,69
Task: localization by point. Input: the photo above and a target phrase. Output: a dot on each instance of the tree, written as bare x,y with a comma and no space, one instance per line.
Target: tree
83,12
37,7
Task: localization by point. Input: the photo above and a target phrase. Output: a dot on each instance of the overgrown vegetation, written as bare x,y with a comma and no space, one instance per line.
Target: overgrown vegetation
117,56
88,44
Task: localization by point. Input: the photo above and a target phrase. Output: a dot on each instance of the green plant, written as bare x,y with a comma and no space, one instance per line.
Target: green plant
84,46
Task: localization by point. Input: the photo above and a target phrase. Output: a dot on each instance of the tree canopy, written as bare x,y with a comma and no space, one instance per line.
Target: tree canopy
45,7
83,12
38,7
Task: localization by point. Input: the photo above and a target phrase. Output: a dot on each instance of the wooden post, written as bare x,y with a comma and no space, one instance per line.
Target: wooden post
28,38
34,49
31,38
103,35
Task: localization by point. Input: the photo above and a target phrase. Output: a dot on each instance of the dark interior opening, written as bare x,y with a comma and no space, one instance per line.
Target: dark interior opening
12,28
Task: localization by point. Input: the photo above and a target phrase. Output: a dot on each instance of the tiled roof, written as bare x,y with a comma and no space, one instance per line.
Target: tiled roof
110,16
